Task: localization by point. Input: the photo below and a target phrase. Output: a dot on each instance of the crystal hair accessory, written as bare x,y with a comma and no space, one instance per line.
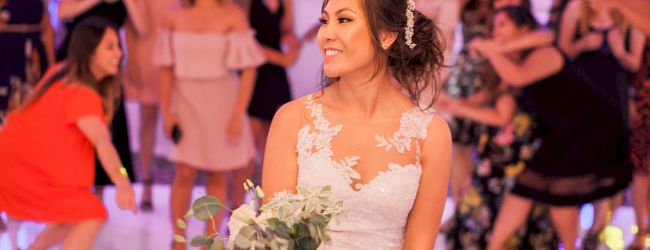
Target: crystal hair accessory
410,23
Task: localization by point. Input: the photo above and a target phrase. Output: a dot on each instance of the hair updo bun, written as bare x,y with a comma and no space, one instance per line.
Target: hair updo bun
415,69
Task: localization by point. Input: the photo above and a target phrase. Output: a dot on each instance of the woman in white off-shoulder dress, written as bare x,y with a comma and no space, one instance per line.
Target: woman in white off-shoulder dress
200,52
387,159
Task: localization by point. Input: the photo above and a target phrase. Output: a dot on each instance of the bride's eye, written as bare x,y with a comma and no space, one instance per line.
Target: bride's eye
322,21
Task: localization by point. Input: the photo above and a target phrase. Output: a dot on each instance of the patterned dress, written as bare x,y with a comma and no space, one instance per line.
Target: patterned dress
502,154
640,136
467,76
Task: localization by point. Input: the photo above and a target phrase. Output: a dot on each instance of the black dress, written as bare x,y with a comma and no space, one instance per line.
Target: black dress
116,13
582,157
12,44
272,88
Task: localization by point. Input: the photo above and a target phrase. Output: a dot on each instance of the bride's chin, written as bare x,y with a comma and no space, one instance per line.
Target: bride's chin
331,73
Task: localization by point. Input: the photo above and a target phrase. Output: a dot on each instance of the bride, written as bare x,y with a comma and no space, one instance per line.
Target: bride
387,159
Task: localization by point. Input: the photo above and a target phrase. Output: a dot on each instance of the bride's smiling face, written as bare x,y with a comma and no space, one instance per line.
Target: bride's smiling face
344,38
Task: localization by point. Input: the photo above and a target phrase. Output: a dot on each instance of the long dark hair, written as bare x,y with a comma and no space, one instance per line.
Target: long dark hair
522,18
414,69
83,42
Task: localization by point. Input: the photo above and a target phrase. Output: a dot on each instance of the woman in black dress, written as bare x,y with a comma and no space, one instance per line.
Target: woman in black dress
23,23
605,50
573,165
74,11
273,23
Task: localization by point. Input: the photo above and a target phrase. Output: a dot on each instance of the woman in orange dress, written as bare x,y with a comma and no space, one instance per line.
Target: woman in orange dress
48,145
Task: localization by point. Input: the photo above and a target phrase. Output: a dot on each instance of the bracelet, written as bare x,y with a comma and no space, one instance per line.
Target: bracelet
123,171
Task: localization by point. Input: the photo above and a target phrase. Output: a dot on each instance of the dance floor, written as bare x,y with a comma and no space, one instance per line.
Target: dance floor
152,231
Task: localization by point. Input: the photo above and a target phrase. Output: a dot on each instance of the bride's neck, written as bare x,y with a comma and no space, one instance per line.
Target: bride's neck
363,97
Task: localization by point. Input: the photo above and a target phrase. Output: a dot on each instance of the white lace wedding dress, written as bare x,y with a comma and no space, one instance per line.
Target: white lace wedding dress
336,150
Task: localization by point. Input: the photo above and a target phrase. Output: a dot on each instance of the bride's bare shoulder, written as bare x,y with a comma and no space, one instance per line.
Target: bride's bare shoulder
292,115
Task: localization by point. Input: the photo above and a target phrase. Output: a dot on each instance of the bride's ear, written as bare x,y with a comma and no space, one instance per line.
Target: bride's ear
387,39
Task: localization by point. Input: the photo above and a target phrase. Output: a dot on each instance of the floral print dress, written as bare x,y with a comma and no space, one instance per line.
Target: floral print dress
501,154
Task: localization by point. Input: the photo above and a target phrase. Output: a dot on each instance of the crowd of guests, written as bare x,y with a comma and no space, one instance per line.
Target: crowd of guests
544,118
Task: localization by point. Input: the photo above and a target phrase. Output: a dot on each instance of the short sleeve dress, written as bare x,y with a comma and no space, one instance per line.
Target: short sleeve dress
47,165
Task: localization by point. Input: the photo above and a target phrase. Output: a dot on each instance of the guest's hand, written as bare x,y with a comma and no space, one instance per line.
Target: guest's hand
592,41
291,41
125,197
485,47
616,41
311,33
235,127
169,120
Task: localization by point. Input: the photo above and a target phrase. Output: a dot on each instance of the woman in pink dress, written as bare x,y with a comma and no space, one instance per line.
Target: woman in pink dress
143,79
204,101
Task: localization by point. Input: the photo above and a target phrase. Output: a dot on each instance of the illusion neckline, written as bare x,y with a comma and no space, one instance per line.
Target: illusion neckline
392,119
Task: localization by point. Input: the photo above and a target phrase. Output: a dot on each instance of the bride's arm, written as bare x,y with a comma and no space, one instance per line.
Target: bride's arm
424,220
280,171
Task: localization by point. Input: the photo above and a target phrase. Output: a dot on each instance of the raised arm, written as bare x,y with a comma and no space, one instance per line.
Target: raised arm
635,11
537,38
498,115
541,63
571,47
138,15
69,9
426,215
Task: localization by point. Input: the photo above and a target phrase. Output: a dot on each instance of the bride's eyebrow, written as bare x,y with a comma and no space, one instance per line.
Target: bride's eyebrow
339,11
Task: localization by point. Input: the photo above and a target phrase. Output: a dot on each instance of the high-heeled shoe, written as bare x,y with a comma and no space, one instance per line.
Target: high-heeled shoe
146,205
3,226
591,241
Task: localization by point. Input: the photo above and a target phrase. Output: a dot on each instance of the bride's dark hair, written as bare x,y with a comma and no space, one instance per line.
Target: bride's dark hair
416,70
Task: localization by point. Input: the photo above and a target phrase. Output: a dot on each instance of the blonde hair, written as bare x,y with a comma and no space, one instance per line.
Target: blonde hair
587,14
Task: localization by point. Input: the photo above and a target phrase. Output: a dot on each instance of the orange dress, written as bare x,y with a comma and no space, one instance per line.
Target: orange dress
47,165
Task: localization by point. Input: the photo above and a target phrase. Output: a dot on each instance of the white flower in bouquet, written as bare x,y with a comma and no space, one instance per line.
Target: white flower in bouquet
287,221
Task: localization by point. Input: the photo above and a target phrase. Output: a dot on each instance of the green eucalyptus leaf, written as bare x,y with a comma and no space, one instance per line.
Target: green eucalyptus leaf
201,240
181,224
242,242
217,245
307,244
281,212
273,223
189,214
179,238
248,232
206,207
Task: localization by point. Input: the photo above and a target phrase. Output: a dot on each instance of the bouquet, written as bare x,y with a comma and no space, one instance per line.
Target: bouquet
287,221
